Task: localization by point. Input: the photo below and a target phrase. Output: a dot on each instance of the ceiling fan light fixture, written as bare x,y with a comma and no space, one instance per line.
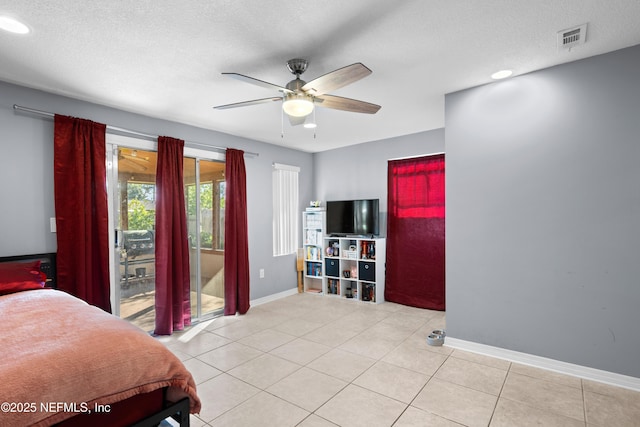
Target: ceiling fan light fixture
297,104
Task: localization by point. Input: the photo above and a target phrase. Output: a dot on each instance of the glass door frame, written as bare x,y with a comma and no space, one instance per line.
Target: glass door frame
113,142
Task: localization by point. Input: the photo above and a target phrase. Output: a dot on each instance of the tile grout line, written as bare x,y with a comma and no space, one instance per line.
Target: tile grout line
493,413
423,387
584,402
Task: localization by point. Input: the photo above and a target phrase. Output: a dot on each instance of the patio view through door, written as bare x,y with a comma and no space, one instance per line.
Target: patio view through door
204,194
131,182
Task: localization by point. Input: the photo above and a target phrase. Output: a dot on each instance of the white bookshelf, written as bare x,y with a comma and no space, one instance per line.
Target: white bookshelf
313,228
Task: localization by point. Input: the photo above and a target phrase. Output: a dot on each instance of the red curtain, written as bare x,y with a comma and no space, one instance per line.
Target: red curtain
173,307
80,193
236,243
415,273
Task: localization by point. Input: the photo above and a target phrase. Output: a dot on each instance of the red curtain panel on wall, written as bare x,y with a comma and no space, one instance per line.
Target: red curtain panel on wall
173,307
415,273
80,193
236,240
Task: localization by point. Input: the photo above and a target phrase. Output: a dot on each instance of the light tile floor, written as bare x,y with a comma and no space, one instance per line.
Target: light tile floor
316,361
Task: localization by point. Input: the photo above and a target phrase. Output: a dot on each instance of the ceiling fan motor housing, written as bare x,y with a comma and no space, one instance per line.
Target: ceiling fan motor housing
296,84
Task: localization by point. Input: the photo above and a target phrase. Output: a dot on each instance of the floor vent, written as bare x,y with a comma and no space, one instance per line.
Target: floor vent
572,37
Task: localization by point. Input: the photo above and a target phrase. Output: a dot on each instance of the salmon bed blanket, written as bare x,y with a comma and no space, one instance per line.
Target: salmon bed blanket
61,356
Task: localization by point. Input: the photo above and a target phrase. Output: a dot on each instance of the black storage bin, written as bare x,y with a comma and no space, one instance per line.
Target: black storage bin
367,271
332,267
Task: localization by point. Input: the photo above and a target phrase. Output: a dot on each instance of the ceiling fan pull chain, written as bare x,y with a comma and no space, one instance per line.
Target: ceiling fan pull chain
281,123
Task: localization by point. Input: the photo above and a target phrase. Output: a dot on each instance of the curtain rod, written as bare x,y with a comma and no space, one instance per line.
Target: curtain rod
115,129
417,156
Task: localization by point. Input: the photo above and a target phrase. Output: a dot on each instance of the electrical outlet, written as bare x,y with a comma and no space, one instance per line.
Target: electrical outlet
262,273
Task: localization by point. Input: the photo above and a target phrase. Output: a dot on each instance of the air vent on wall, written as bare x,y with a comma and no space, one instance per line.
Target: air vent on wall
572,37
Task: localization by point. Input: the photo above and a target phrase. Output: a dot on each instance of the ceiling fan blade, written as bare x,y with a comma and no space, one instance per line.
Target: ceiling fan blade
257,82
336,79
346,104
247,103
297,121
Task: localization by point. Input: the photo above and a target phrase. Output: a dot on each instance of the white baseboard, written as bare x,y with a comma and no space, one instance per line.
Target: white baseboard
598,375
273,297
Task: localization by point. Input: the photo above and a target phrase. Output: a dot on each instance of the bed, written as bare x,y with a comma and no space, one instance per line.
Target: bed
66,363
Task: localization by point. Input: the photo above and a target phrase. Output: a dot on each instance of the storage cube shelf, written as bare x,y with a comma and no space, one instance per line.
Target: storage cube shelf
346,267
356,269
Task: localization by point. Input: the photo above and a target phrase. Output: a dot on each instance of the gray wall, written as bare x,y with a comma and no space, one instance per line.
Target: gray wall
360,171
26,177
543,213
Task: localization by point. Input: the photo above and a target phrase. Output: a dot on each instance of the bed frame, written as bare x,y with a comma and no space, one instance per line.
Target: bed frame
47,264
179,411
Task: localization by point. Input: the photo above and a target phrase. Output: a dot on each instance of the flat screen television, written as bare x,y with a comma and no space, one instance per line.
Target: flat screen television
353,217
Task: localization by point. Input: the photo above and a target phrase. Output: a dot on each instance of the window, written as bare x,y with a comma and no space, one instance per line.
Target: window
285,209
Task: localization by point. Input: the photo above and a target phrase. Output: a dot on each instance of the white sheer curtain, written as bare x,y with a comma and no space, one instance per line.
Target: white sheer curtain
285,209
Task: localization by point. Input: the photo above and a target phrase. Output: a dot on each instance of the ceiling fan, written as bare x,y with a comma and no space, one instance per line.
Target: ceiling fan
299,97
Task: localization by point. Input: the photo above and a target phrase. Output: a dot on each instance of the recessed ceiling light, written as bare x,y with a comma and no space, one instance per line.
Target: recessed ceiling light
502,74
12,25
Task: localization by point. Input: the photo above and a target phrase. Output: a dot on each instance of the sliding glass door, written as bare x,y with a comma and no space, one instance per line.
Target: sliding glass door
135,262
204,194
131,186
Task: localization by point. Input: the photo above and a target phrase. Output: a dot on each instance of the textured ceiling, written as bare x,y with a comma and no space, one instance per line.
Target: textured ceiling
165,58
